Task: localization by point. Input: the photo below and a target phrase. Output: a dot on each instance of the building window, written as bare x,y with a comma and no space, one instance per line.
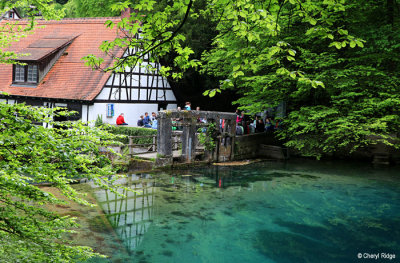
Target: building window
11,15
27,73
32,73
19,73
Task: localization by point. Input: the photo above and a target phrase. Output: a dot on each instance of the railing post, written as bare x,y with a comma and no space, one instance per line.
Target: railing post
232,133
189,139
164,134
130,145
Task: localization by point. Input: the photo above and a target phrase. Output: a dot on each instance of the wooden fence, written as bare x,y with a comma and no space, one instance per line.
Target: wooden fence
152,147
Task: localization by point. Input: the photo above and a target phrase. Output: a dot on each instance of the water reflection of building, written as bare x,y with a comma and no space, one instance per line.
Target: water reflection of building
131,215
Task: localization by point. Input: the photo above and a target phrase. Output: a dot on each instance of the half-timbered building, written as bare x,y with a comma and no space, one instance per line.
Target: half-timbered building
11,14
53,74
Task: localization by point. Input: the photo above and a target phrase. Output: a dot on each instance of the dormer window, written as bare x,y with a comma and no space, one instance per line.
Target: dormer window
38,58
26,74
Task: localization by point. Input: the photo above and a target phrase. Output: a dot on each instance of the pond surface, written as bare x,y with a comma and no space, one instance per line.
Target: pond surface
300,211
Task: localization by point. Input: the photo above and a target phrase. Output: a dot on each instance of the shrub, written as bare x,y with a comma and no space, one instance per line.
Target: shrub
132,131
99,121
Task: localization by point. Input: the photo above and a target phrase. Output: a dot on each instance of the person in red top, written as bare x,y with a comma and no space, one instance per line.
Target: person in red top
120,120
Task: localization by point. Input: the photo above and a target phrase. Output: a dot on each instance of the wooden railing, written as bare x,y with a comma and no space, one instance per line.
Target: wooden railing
152,147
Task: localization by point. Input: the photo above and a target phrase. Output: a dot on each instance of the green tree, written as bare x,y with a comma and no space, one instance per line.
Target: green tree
31,154
340,95
61,2
89,8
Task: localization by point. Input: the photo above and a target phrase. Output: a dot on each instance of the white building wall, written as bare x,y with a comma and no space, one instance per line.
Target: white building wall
85,116
131,112
172,107
7,101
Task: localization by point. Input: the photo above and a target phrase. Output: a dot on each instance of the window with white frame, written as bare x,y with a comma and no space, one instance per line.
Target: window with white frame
26,73
32,73
19,73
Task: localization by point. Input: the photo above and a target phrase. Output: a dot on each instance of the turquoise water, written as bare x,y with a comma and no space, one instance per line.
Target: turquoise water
300,211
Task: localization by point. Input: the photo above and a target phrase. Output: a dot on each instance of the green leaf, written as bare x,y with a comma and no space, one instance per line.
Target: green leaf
290,58
237,74
236,68
312,21
359,43
338,45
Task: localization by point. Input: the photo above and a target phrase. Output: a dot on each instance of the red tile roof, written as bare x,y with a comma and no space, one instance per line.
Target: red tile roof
69,78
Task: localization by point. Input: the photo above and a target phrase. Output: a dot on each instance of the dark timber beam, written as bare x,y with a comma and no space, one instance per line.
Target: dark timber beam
197,114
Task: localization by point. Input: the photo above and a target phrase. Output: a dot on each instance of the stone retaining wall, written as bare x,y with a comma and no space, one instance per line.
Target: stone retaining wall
247,146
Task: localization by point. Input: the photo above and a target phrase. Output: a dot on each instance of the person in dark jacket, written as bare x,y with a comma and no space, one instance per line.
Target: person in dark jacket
260,126
140,121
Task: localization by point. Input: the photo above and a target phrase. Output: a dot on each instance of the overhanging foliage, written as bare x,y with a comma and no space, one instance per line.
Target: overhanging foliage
31,154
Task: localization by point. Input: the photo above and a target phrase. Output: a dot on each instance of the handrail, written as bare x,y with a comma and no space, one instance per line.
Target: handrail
143,136
152,147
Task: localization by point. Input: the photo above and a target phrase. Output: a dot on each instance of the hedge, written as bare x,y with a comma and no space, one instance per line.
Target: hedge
132,131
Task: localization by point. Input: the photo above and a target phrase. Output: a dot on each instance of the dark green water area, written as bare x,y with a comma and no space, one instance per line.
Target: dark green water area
298,211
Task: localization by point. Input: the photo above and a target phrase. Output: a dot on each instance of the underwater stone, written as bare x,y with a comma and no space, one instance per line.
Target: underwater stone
167,253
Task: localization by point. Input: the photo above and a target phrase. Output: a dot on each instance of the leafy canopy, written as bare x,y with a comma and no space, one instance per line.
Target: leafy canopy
31,154
311,54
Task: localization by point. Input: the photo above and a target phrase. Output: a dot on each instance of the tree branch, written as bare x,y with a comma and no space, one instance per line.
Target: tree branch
120,63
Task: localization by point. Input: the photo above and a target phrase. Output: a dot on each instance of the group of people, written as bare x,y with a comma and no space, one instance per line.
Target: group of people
177,122
246,125
144,121
148,122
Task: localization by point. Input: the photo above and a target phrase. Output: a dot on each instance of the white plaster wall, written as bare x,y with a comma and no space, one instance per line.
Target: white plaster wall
133,81
172,106
9,101
131,112
154,95
84,113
